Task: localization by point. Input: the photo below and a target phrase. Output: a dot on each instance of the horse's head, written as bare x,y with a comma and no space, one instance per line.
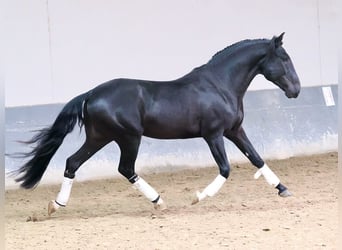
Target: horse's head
277,67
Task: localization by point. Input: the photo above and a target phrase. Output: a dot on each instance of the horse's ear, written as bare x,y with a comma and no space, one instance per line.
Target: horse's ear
278,41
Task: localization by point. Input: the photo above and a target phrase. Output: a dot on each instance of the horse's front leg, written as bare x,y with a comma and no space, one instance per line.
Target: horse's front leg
216,146
240,139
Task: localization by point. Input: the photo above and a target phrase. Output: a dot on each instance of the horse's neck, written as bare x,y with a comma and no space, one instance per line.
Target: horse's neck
237,70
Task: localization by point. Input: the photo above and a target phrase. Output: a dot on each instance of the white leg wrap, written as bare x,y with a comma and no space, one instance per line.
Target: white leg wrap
64,194
270,177
146,189
212,188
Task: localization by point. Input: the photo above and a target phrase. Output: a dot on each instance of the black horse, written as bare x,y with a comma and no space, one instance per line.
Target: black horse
207,102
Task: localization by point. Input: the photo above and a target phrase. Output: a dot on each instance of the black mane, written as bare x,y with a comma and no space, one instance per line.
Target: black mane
232,48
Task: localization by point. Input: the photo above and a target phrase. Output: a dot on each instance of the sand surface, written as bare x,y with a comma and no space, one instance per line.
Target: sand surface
245,214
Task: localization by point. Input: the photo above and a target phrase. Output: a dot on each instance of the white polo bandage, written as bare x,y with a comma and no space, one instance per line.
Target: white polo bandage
64,194
146,189
270,177
212,188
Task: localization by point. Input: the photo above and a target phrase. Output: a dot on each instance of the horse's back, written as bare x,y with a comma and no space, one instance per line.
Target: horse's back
155,109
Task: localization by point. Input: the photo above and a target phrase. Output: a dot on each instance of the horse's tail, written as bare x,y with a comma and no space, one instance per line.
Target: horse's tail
48,140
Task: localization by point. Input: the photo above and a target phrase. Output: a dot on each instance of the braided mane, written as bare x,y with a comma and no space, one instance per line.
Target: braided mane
232,48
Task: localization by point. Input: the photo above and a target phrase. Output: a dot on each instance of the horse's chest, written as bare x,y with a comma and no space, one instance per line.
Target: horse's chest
231,116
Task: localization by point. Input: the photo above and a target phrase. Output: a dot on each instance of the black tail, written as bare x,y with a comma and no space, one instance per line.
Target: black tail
48,141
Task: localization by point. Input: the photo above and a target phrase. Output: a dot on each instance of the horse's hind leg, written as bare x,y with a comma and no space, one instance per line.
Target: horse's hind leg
241,140
129,146
89,148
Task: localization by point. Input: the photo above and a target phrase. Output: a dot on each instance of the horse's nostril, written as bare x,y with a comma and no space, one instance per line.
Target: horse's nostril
295,95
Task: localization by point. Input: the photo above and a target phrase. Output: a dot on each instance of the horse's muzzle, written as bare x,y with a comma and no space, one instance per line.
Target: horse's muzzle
291,94
293,91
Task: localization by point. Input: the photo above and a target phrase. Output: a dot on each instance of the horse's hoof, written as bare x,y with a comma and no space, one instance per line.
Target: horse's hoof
195,201
52,207
160,205
285,193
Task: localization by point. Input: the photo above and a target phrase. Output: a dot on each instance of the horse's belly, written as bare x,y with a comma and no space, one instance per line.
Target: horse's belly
171,129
